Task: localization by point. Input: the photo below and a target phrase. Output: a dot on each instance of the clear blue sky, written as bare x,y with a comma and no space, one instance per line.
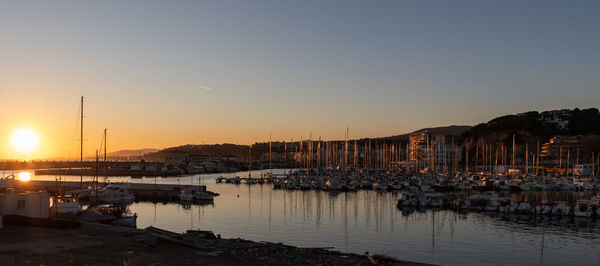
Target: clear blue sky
233,71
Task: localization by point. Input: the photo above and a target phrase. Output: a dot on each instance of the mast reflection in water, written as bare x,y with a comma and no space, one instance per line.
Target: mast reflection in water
368,220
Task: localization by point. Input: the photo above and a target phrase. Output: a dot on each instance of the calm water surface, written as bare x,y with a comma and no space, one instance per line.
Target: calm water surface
369,221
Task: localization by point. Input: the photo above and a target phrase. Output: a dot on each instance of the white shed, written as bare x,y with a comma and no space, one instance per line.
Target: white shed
29,204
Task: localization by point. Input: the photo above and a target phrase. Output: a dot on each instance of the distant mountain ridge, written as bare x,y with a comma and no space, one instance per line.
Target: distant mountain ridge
258,149
531,127
453,130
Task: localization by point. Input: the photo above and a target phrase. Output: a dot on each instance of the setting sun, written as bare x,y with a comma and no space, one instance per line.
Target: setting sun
24,140
24,176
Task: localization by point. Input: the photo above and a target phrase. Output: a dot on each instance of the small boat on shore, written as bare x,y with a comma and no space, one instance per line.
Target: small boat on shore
110,214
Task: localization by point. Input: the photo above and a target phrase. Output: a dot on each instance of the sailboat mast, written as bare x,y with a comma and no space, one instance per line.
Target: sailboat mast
270,154
513,152
284,157
346,152
81,146
526,158
105,165
96,177
250,160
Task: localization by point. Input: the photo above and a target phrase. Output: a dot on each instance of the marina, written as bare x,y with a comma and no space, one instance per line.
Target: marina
300,133
349,221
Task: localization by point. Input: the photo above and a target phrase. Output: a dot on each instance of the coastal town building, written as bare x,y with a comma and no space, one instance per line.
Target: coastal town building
176,159
559,118
583,169
438,153
561,150
414,142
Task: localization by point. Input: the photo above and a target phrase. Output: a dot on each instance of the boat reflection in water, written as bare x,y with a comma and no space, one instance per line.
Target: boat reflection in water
369,220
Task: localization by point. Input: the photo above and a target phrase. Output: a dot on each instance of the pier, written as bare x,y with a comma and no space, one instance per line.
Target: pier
143,192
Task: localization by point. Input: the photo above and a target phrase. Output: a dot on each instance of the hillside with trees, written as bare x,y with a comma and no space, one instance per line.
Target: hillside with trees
532,127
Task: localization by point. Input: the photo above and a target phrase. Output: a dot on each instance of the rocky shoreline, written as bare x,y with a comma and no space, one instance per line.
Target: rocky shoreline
96,244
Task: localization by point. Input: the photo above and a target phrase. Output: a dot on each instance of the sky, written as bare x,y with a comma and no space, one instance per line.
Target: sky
161,73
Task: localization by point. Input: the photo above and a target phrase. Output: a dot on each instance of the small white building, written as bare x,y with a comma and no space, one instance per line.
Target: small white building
28,204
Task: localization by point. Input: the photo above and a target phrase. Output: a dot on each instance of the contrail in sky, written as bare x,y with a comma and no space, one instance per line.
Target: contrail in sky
204,87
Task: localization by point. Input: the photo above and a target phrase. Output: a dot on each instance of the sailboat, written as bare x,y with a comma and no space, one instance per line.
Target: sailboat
66,203
113,193
196,193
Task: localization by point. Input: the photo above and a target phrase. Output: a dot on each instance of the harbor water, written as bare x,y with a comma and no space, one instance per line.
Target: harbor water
368,220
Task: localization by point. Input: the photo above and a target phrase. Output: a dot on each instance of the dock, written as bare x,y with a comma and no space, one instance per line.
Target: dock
141,191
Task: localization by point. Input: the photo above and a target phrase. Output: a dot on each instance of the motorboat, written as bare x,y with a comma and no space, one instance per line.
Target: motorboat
305,185
436,199
122,215
66,204
366,184
407,200
196,194
396,186
582,209
507,205
487,201
561,208
114,193
381,187
423,201
524,208
595,204
493,205
350,187
543,208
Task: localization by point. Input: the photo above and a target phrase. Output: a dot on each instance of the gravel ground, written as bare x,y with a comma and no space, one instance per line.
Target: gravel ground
96,244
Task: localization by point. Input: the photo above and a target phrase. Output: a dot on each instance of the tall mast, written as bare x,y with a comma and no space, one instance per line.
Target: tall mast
560,159
284,157
513,152
526,158
249,160
81,146
96,177
346,152
537,168
105,165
